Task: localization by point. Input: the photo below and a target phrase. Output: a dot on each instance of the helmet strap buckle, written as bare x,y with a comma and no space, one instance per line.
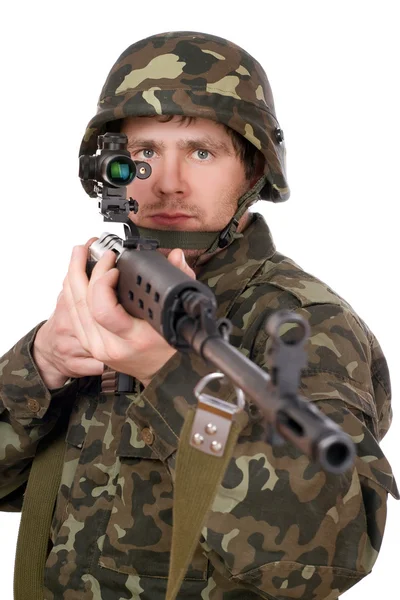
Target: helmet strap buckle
226,234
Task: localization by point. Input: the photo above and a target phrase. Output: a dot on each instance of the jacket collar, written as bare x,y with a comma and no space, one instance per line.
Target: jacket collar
228,273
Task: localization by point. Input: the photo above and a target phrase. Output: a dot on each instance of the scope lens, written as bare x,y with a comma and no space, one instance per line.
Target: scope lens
121,173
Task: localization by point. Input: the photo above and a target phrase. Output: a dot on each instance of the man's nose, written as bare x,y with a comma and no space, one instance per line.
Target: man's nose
170,177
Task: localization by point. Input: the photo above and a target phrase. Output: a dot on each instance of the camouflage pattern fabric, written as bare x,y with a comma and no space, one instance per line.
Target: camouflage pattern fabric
279,528
197,75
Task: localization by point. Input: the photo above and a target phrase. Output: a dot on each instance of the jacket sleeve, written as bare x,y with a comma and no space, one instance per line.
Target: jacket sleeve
27,414
279,525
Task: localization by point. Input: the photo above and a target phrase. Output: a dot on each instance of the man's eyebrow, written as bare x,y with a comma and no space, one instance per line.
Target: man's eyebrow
205,142
144,143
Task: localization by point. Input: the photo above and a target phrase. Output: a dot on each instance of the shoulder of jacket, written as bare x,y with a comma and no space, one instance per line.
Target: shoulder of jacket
285,275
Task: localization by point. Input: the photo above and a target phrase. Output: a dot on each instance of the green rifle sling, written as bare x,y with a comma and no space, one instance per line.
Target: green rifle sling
37,513
198,476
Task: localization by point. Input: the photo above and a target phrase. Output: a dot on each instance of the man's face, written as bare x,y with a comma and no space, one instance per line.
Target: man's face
196,179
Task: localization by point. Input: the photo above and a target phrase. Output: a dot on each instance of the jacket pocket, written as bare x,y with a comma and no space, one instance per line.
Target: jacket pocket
139,532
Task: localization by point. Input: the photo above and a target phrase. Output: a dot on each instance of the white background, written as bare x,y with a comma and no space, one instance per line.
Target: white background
334,71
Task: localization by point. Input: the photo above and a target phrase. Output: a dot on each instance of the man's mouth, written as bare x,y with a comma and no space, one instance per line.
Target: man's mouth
169,218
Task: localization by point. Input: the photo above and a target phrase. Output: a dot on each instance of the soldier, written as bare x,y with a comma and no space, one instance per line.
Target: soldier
200,111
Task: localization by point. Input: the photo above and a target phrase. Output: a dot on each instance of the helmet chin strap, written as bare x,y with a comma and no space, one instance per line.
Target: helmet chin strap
209,241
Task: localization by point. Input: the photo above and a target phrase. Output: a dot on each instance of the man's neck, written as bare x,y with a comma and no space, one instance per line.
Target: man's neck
244,222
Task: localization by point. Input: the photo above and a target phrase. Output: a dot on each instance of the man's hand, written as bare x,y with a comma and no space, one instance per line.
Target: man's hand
57,352
90,328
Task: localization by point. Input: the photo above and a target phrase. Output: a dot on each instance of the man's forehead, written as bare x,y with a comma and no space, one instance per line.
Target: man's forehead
172,122
182,130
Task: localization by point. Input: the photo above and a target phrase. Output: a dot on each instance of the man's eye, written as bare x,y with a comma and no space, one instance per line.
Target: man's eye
202,154
142,154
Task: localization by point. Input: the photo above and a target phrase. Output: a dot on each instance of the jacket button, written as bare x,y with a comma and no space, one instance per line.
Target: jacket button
147,436
33,405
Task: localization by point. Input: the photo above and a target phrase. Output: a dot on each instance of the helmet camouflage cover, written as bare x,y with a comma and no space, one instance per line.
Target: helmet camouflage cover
196,75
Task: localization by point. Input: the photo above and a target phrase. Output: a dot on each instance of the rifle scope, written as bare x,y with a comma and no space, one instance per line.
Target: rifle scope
113,165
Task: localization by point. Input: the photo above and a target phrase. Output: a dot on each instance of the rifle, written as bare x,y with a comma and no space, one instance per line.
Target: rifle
183,311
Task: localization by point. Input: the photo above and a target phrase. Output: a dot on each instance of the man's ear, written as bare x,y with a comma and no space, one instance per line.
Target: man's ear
259,169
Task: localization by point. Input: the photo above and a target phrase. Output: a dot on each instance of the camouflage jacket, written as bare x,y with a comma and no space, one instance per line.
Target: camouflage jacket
279,526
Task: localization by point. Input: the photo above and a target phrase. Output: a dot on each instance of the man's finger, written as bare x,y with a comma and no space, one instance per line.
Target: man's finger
76,288
105,307
177,258
90,242
105,264
69,303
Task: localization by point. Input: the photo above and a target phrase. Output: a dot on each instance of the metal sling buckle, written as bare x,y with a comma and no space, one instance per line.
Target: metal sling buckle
213,418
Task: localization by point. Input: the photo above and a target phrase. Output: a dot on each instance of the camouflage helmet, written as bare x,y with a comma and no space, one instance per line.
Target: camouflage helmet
195,75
